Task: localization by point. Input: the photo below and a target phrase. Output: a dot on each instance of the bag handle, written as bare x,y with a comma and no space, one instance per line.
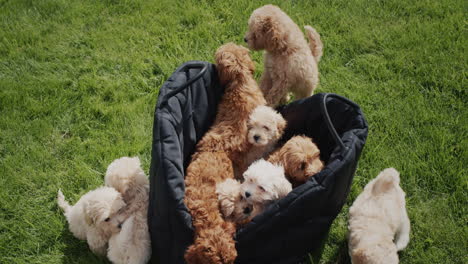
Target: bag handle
199,65
328,121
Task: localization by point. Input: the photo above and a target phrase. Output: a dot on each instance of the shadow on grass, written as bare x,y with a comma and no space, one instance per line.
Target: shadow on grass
77,251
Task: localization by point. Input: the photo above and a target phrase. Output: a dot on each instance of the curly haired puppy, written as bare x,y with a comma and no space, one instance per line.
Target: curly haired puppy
218,154
232,204
265,127
263,184
300,158
290,63
379,226
92,218
132,244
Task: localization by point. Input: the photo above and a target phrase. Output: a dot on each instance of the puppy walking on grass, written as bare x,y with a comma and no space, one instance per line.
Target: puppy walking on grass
378,222
291,64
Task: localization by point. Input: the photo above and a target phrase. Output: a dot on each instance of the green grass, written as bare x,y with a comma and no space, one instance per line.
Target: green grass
79,81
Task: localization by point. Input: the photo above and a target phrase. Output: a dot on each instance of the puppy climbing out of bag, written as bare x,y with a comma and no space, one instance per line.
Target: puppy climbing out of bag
379,226
291,64
220,151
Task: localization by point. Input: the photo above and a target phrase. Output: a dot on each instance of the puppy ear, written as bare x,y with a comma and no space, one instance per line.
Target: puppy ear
91,212
280,124
276,34
267,25
282,185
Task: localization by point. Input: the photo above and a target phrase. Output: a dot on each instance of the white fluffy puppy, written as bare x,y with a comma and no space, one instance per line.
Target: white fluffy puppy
378,222
265,127
132,244
92,218
233,206
263,184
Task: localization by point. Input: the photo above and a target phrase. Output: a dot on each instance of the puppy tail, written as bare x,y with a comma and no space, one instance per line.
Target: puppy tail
62,203
385,181
315,43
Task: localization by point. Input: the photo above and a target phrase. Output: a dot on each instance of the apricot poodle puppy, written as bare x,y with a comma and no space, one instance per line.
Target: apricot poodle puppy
300,158
218,154
379,226
291,64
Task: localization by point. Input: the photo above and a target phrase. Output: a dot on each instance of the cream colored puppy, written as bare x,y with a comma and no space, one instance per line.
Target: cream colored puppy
265,127
93,217
233,206
378,222
291,64
263,184
132,244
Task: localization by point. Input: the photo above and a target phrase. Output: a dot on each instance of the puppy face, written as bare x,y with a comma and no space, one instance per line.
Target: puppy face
232,61
233,205
265,31
301,158
102,208
265,126
264,182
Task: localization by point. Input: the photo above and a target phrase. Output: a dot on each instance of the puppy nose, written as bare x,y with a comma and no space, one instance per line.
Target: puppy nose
247,210
245,39
247,194
256,137
120,226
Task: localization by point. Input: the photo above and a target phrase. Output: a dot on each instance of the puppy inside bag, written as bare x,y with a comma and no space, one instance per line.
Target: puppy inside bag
293,225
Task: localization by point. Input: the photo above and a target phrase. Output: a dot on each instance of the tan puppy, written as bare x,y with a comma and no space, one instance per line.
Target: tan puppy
290,63
378,223
232,204
300,158
265,127
220,151
92,218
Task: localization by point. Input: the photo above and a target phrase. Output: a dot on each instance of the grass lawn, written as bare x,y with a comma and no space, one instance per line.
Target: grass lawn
79,81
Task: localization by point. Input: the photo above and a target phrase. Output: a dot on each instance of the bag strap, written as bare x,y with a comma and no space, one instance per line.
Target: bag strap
199,65
328,121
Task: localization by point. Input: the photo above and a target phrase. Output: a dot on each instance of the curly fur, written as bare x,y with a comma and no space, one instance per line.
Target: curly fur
290,63
300,158
218,154
265,127
132,244
92,218
263,184
379,226
232,204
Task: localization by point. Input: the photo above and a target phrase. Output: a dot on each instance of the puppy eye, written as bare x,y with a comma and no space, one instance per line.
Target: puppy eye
303,165
107,219
261,188
266,128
